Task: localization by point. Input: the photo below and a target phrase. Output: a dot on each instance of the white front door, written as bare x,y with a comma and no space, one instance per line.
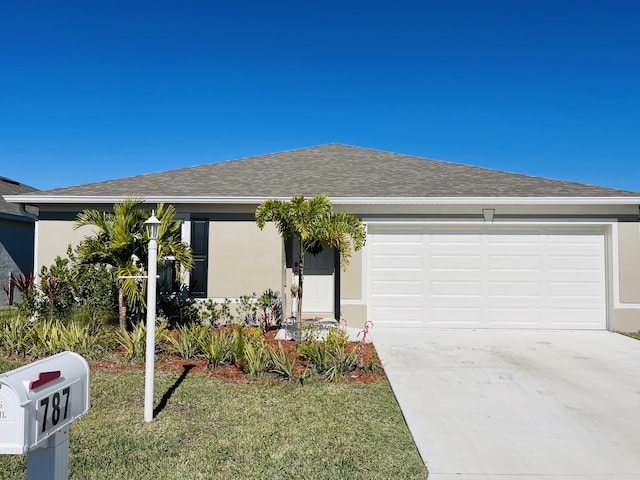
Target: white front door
318,287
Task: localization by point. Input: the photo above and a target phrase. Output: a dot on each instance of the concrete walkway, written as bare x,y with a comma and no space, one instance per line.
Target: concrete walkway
518,405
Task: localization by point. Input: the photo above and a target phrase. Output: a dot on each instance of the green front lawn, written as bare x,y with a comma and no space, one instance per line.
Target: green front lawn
216,429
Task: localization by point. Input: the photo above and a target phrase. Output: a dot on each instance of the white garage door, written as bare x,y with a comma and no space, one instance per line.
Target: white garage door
486,277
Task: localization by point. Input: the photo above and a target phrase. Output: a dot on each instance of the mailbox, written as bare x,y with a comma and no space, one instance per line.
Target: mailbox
40,399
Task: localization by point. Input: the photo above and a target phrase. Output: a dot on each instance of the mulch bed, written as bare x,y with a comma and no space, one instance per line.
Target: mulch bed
233,373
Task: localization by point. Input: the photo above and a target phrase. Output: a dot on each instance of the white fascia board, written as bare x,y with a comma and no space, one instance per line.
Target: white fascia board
486,200
84,199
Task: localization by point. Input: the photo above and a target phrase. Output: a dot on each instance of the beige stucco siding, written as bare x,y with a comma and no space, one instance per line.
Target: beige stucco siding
351,280
355,315
351,289
626,320
629,258
54,236
243,259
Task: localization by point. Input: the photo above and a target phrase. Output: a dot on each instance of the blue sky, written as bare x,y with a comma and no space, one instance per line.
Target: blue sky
96,90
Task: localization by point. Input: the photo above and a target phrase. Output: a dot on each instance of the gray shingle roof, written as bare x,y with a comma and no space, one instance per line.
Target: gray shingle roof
11,187
338,171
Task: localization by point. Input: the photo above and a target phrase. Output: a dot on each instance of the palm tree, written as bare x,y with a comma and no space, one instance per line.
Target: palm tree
314,224
121,241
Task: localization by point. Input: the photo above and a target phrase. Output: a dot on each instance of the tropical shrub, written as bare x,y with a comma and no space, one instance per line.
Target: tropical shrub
134,342
84,339
281,363
25,286
15,337
341,363
55,287
336,338
121,241
45,338
217,348
242,339
270,306
247,309
253,335
214,313
329,356
94,291
42,338
314,351
257,357
178,310
70,292
238,343
186,340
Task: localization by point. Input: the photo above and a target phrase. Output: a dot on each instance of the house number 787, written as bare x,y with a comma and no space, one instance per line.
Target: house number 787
57,406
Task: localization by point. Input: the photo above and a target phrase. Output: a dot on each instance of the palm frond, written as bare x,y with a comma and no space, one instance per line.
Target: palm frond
120,236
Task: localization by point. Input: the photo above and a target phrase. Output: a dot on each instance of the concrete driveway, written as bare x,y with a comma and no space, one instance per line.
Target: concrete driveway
522,405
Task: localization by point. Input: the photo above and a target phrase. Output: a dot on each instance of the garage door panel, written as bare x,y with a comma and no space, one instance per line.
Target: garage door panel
453,239
397,288
573,303
513,301
406,238
388,275
456,289
515,262
456,316
524,288
455,262
575,239
574,318
435,276
574,290
488,278
502,240
571,263
396,262
515,317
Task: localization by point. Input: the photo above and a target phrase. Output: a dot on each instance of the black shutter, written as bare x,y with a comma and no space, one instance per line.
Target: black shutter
200,252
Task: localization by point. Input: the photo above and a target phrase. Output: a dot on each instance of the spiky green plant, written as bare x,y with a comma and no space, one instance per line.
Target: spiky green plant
186,340
134,342
257,358
46,338
15,337
281,363
84,339
217,348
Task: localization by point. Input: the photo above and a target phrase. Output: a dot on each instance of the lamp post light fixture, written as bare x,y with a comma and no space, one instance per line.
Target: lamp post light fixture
152,225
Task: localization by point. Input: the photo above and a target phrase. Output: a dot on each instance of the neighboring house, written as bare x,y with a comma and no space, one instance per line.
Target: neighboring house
16,238
448,245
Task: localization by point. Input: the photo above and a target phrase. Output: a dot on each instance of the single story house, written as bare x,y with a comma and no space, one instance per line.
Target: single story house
16,239
448,245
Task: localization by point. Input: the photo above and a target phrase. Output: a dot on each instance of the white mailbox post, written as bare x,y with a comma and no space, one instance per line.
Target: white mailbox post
37,403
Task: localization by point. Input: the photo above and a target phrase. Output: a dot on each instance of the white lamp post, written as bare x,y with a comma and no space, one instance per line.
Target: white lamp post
152,225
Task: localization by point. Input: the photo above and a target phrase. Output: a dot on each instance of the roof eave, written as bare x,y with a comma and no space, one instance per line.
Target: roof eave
251,200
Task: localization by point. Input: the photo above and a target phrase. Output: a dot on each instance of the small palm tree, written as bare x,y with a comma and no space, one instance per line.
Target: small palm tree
121,241
314,224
